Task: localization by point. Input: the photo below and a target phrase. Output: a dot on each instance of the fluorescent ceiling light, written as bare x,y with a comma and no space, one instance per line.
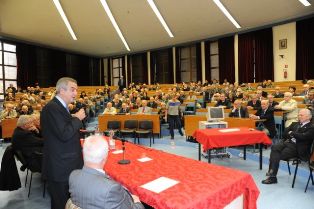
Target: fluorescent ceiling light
64,18
161,19
114,23
227,14
305,2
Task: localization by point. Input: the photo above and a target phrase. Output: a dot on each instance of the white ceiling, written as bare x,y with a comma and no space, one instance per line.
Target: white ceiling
39,22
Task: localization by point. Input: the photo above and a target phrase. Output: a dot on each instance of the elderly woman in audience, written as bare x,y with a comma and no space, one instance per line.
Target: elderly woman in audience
290,108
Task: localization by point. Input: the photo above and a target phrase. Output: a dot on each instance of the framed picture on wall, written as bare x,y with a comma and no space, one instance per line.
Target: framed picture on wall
282,43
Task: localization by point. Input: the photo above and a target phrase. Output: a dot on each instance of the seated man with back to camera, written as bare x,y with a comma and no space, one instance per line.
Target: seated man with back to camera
298,140
238,111
266,113
90,187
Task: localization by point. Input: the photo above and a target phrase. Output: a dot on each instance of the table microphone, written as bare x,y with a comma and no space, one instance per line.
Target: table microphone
123,161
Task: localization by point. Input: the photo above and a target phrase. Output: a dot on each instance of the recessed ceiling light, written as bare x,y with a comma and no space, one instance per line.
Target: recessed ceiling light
161,19
64,18
227,14
114,23
305,2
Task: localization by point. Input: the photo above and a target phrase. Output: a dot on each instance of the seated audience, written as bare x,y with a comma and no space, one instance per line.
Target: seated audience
266,113
223,102
124,109
90,187
25,140
238,111
271,101
254,103
306,90
290,108
109,109
144,109
162,113
24,110
278,93
292,90
152,103
9,112
191,96
298,140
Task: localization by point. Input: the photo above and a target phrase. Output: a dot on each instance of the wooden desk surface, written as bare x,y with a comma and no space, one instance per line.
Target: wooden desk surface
103,120
8,126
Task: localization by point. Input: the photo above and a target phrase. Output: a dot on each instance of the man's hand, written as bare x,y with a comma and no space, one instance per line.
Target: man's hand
80,114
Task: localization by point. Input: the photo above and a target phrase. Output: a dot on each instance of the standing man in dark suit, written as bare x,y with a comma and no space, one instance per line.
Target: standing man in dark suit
266,113
238,111
121,83
90,187
62,151
298,140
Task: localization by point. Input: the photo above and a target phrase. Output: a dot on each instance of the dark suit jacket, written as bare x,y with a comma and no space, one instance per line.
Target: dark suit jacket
62,147
255,106
92,189
152,104
273,104
121,111
243,111
28,143
280,95
304,138
226,103
270,121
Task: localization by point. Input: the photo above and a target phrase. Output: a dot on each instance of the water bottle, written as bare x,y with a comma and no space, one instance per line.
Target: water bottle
112,143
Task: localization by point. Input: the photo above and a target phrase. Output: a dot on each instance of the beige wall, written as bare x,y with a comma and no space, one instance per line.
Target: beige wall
288,61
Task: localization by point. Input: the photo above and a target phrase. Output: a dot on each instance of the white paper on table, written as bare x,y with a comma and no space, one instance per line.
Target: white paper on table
229,130
160,184
117,151
144,159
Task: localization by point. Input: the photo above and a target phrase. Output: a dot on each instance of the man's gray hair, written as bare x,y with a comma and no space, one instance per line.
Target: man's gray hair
95,149
307,112
63,83
23,120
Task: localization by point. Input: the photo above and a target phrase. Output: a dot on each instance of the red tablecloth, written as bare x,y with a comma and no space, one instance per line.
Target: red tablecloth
202,185
213,138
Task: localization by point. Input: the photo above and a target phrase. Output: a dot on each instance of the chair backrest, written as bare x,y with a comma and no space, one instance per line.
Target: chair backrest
18,154
71,205
146,124
131,124
113,124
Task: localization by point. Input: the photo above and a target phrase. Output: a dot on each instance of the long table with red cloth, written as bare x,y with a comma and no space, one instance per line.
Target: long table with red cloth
201,185
214,138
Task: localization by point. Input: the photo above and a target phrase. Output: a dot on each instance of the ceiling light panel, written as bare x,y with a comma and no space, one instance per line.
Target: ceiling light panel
226,13
160,17
64,18
114,23
305,2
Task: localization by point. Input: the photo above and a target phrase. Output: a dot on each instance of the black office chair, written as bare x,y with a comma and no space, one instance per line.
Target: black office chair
113,125
130,127
25,166
145,127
